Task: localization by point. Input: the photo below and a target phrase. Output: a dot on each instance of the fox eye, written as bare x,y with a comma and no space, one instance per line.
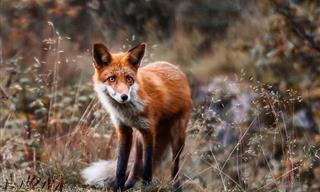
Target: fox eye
129,79
111,78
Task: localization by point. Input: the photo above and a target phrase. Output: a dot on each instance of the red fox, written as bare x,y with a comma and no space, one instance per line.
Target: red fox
149,107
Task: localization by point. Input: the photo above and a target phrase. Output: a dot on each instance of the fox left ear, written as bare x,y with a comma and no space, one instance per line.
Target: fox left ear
136,54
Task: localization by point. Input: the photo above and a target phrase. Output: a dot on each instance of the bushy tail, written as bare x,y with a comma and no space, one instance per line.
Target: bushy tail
102,173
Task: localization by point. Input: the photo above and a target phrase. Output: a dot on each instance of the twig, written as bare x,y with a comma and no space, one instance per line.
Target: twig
107,152
3,94
286,11
239,142
287,173
222,172
222,179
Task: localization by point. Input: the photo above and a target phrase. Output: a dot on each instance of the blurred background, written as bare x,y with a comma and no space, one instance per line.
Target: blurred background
253,66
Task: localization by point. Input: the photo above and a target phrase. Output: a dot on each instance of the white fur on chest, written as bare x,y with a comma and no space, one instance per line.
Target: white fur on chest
123,113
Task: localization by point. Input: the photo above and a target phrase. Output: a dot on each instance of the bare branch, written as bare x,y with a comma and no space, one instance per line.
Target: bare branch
297,29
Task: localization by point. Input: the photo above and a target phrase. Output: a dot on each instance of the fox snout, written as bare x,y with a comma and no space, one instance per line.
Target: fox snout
124,97
120,97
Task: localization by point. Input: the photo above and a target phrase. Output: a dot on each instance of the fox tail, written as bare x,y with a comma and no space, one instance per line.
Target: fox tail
101,173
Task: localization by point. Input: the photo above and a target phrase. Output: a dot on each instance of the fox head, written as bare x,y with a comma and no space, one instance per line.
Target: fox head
116,73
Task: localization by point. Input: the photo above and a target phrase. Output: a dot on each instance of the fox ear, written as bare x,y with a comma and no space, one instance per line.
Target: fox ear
101,55
136,54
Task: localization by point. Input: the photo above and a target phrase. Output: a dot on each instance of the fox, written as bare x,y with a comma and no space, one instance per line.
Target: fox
149,107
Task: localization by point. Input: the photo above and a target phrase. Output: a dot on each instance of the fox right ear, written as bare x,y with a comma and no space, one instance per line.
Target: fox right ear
101,55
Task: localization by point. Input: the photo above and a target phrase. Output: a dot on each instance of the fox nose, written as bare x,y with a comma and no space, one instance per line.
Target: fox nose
124,97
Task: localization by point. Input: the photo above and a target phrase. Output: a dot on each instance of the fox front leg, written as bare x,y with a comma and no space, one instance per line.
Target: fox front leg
148,142
124,146
132,178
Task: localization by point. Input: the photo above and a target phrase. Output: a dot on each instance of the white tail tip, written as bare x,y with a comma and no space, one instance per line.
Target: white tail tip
101,173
